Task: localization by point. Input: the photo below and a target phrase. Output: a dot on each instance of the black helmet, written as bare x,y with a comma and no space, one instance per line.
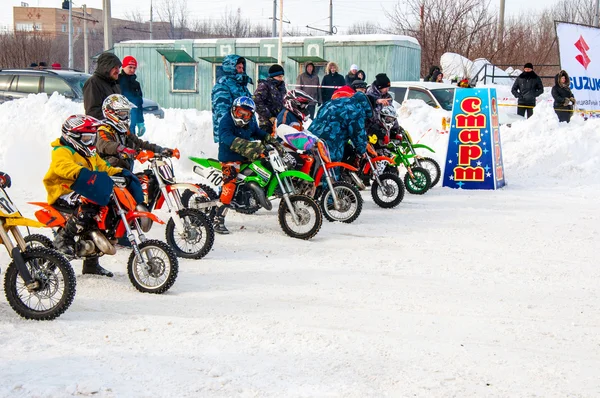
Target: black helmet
358,84
297,102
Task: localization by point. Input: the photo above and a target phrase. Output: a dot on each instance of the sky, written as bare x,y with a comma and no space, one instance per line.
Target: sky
299,12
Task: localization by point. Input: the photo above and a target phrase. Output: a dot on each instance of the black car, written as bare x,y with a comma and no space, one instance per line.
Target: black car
19,83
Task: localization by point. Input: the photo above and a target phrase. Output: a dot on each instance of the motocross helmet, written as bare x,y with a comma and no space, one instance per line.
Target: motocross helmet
117,111
242,111
388,116
297,102
80,132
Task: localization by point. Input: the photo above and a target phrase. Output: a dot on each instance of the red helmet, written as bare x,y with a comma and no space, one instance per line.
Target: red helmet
297,102
80,132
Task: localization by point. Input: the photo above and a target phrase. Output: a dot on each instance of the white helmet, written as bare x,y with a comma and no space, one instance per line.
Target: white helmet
388,116
116,108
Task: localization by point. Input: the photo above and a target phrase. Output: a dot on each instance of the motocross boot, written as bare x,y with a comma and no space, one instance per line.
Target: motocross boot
91,266
64,241
219,224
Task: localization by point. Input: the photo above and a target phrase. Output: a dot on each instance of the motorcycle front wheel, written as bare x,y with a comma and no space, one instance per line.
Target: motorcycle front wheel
56,289
432,167
420,183
390,193
158,273
349,199
309,216
197,237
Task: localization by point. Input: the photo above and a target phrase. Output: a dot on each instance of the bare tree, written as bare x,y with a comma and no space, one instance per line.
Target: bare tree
364,28
175,13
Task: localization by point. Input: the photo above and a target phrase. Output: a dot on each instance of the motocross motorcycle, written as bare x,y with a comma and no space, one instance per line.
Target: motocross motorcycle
429,164
39,283
189,231
387,189
417,179
260,181
152,265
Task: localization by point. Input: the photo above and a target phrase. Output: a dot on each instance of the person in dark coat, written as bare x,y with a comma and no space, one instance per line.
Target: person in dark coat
432,70
361,75
331,82
102,84
132,90
306,81
563,97
268,98
352,75
437,77
528,86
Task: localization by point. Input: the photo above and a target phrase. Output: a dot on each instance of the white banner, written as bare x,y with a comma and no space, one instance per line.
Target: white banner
579,48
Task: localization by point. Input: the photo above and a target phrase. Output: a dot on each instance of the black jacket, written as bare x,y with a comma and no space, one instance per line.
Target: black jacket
331,79
100,85
350,77
432,69
561,93
269,100
527,88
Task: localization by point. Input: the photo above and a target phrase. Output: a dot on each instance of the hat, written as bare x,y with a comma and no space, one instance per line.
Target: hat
42,63
240,60
33,65
358,84
382,81
528,65
56,65
276,70
129,61
354,67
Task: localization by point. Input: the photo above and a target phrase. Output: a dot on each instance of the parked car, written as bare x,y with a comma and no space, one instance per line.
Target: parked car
19,83
437,95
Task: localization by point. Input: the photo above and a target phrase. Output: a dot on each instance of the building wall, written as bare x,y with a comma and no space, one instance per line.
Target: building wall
401,60
54,21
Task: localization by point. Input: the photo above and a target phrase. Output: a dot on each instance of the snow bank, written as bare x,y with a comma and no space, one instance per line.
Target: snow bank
453,64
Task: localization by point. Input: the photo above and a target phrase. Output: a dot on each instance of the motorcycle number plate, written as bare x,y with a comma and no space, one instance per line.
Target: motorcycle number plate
7,208
276,162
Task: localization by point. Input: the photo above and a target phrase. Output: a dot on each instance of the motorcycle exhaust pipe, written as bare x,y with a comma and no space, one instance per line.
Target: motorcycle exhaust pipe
357,181
102,243
260,195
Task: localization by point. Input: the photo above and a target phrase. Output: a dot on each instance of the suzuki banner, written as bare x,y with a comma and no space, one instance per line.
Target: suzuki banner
474,158
579,50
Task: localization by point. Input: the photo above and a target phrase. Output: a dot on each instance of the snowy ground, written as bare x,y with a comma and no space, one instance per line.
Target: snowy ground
454,293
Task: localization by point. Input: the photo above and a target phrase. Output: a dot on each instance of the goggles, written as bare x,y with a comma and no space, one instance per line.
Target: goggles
88,139
123,114
389,119
241,113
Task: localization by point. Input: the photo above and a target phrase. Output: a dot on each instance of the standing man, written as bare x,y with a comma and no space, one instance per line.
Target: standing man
233,84
133,92
268,98
352,75
308,82
102,84
331,82
526,89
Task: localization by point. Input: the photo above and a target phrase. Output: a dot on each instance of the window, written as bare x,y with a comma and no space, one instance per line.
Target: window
184,78
25,27
26,84
5,81
63,28
445,97
52,84
398,93
414,93
262,72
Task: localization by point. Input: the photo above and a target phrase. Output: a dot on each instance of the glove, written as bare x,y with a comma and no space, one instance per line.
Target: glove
141,129
166,152
97,186
127,151
567,102
250,149
5,181
269,139
573,100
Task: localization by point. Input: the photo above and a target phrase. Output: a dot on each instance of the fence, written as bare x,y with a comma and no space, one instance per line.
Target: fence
491,77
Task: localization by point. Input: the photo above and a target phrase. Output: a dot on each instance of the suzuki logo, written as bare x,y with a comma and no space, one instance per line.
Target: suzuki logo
583,58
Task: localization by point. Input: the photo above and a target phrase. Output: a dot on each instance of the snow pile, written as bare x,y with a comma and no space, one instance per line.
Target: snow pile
453,64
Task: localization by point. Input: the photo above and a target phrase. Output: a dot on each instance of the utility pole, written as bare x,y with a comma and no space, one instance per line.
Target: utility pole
108,43
86,58
70,34
150,19
501,24
596,10
280,52
274,33
331,17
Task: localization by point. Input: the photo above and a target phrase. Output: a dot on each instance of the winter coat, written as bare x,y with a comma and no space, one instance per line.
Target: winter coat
561,93
350,77
341,120
364,79
228,132
435,75
100,85
527,87
288,118
432,69
109,140
132,90
374,94
304,79
268,98
331,79
230,86
65,167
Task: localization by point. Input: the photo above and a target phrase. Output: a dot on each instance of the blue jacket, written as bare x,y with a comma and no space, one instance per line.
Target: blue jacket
229,87
341,120
228,131
132,90
287,117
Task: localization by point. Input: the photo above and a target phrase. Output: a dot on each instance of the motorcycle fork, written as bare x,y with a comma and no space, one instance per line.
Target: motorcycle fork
172,202
286,196
129,232
376,175
16,254
336,201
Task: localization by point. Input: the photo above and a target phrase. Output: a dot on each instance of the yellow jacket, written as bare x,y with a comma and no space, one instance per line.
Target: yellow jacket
64,169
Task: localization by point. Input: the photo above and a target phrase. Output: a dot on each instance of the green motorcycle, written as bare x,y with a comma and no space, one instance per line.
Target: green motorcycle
417,179
408,147
258,182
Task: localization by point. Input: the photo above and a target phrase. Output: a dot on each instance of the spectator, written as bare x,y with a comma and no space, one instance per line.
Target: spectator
132,90
102,84
378,93
42,65
359,85
526,89
432,70
33,65
331,81
308,82
464,83
437,77
351,76
233,84
360,75
268,98
563,97
56,65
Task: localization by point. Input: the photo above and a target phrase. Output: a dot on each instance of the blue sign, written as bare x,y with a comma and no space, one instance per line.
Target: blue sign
474,158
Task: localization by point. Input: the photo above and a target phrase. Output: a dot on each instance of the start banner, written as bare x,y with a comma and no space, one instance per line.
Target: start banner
579,50
474,158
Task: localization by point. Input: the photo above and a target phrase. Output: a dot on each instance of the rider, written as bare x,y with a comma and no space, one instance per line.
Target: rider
116,144
383,127
5,181
295,109
238,131
78,176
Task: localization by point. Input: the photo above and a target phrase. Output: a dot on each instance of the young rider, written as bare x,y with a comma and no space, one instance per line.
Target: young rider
295,109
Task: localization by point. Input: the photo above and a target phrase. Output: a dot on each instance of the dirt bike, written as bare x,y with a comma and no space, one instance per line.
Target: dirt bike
189,231
421,161
39,283
152,265
387,189
417,180
299,215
